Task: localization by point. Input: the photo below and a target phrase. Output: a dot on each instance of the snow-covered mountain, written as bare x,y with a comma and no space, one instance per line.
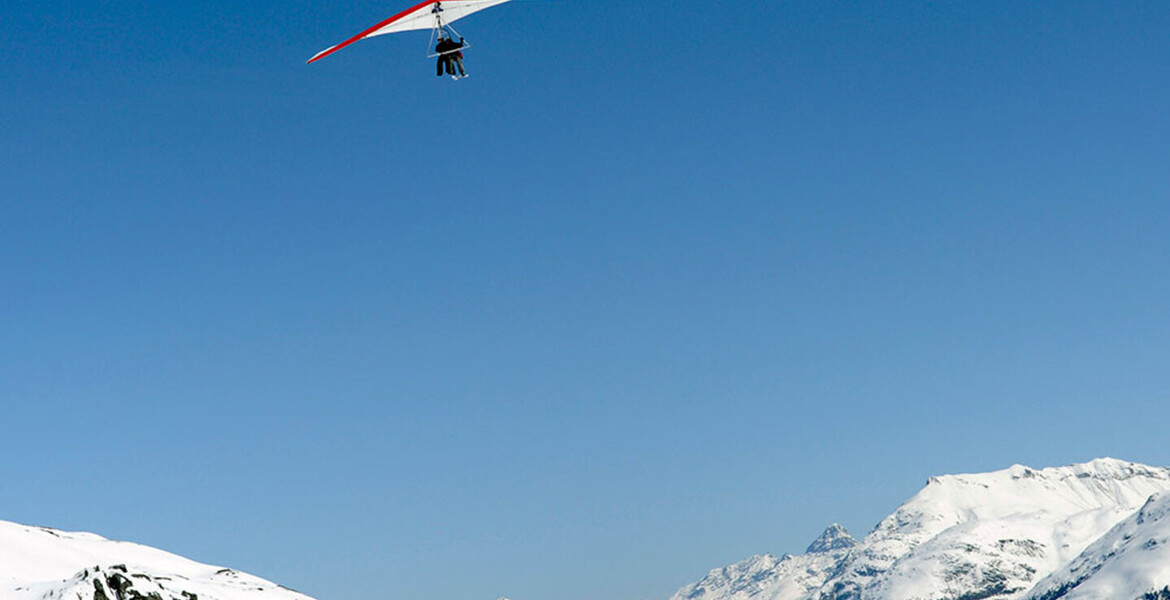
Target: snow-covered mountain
1132,560
767,577
37,563
1094,531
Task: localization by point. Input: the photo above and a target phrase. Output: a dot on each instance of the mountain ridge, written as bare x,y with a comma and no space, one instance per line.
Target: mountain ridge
1130,561
981,536
1098,530
41,563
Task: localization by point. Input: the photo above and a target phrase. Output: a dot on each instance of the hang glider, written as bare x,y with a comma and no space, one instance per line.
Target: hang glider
431,14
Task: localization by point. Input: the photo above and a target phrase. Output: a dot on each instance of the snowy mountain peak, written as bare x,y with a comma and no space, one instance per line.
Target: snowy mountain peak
740,578
1101,469
952,499
1155,509
38,563
834,538
986,536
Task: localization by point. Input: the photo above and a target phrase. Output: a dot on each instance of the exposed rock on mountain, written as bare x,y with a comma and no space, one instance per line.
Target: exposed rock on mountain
834,538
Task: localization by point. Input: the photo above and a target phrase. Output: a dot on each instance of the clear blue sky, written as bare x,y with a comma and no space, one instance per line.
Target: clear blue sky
662,285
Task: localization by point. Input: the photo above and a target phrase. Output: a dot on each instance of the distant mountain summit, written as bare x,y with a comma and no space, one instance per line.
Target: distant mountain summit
38,563
834,538
1093,531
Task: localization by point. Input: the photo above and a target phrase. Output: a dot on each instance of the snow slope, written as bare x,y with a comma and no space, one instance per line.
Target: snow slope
766,577
1131,561
38,563
963,537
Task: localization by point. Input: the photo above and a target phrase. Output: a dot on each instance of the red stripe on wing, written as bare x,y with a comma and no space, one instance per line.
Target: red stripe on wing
367,32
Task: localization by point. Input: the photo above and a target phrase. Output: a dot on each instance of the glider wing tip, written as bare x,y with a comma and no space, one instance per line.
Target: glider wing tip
322,54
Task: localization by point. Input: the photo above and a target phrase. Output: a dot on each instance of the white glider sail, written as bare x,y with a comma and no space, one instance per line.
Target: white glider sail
432,14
